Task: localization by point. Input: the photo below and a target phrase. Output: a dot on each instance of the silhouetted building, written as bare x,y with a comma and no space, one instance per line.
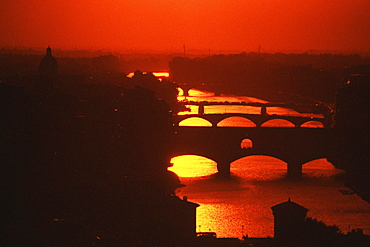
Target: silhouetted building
171,222
48,65
88,165
352,121
289,218
352,103
48,71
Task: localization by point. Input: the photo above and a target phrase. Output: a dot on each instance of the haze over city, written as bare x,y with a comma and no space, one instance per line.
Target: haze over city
202,25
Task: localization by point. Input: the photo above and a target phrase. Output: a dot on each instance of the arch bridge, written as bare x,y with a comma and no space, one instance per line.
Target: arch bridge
295,146
257,119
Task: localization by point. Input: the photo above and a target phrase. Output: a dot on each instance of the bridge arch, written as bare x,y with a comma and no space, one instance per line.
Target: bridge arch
259,167
312,124
193,165
278,122
195,121
246,143
320,167
236,122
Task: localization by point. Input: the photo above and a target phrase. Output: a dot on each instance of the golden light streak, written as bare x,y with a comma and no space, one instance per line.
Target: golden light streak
195,121
156,74
192,166
181,93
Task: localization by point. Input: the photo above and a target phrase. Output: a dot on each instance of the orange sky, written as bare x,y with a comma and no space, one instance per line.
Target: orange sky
165,25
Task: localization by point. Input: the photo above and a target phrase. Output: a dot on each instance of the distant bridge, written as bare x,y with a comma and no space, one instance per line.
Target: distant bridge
293,145
257,119
291,105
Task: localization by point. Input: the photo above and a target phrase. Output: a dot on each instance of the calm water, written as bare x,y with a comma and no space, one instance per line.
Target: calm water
241,205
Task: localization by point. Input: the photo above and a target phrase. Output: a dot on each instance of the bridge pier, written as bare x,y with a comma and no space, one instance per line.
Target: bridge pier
223,169
294,170
201,109
263,110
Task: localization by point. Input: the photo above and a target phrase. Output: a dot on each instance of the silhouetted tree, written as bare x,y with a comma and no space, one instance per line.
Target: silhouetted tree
317,233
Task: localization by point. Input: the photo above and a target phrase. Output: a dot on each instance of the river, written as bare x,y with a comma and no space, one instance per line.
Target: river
241,205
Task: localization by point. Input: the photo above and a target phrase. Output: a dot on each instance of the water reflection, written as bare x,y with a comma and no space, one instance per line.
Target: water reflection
199,96
236,122
259,167
195,121
312,124
192,166
282,123
246,143
241,205
193,93
320,168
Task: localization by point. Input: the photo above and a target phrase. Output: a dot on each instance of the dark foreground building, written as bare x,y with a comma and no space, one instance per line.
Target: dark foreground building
289,218
352,131
88,167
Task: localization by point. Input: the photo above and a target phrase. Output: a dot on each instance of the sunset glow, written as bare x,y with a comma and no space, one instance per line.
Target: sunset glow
206,26
185,122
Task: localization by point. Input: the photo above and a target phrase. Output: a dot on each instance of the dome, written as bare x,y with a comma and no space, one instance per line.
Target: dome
48,65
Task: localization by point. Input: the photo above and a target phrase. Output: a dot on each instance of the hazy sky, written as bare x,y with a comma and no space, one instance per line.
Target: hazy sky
165,25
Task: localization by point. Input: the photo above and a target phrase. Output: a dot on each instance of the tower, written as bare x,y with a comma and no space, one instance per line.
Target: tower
48,65
289,218
48,70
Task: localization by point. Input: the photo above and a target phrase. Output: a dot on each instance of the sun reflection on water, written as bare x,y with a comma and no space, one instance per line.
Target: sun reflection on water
259,167
195,121
192,166
241,205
